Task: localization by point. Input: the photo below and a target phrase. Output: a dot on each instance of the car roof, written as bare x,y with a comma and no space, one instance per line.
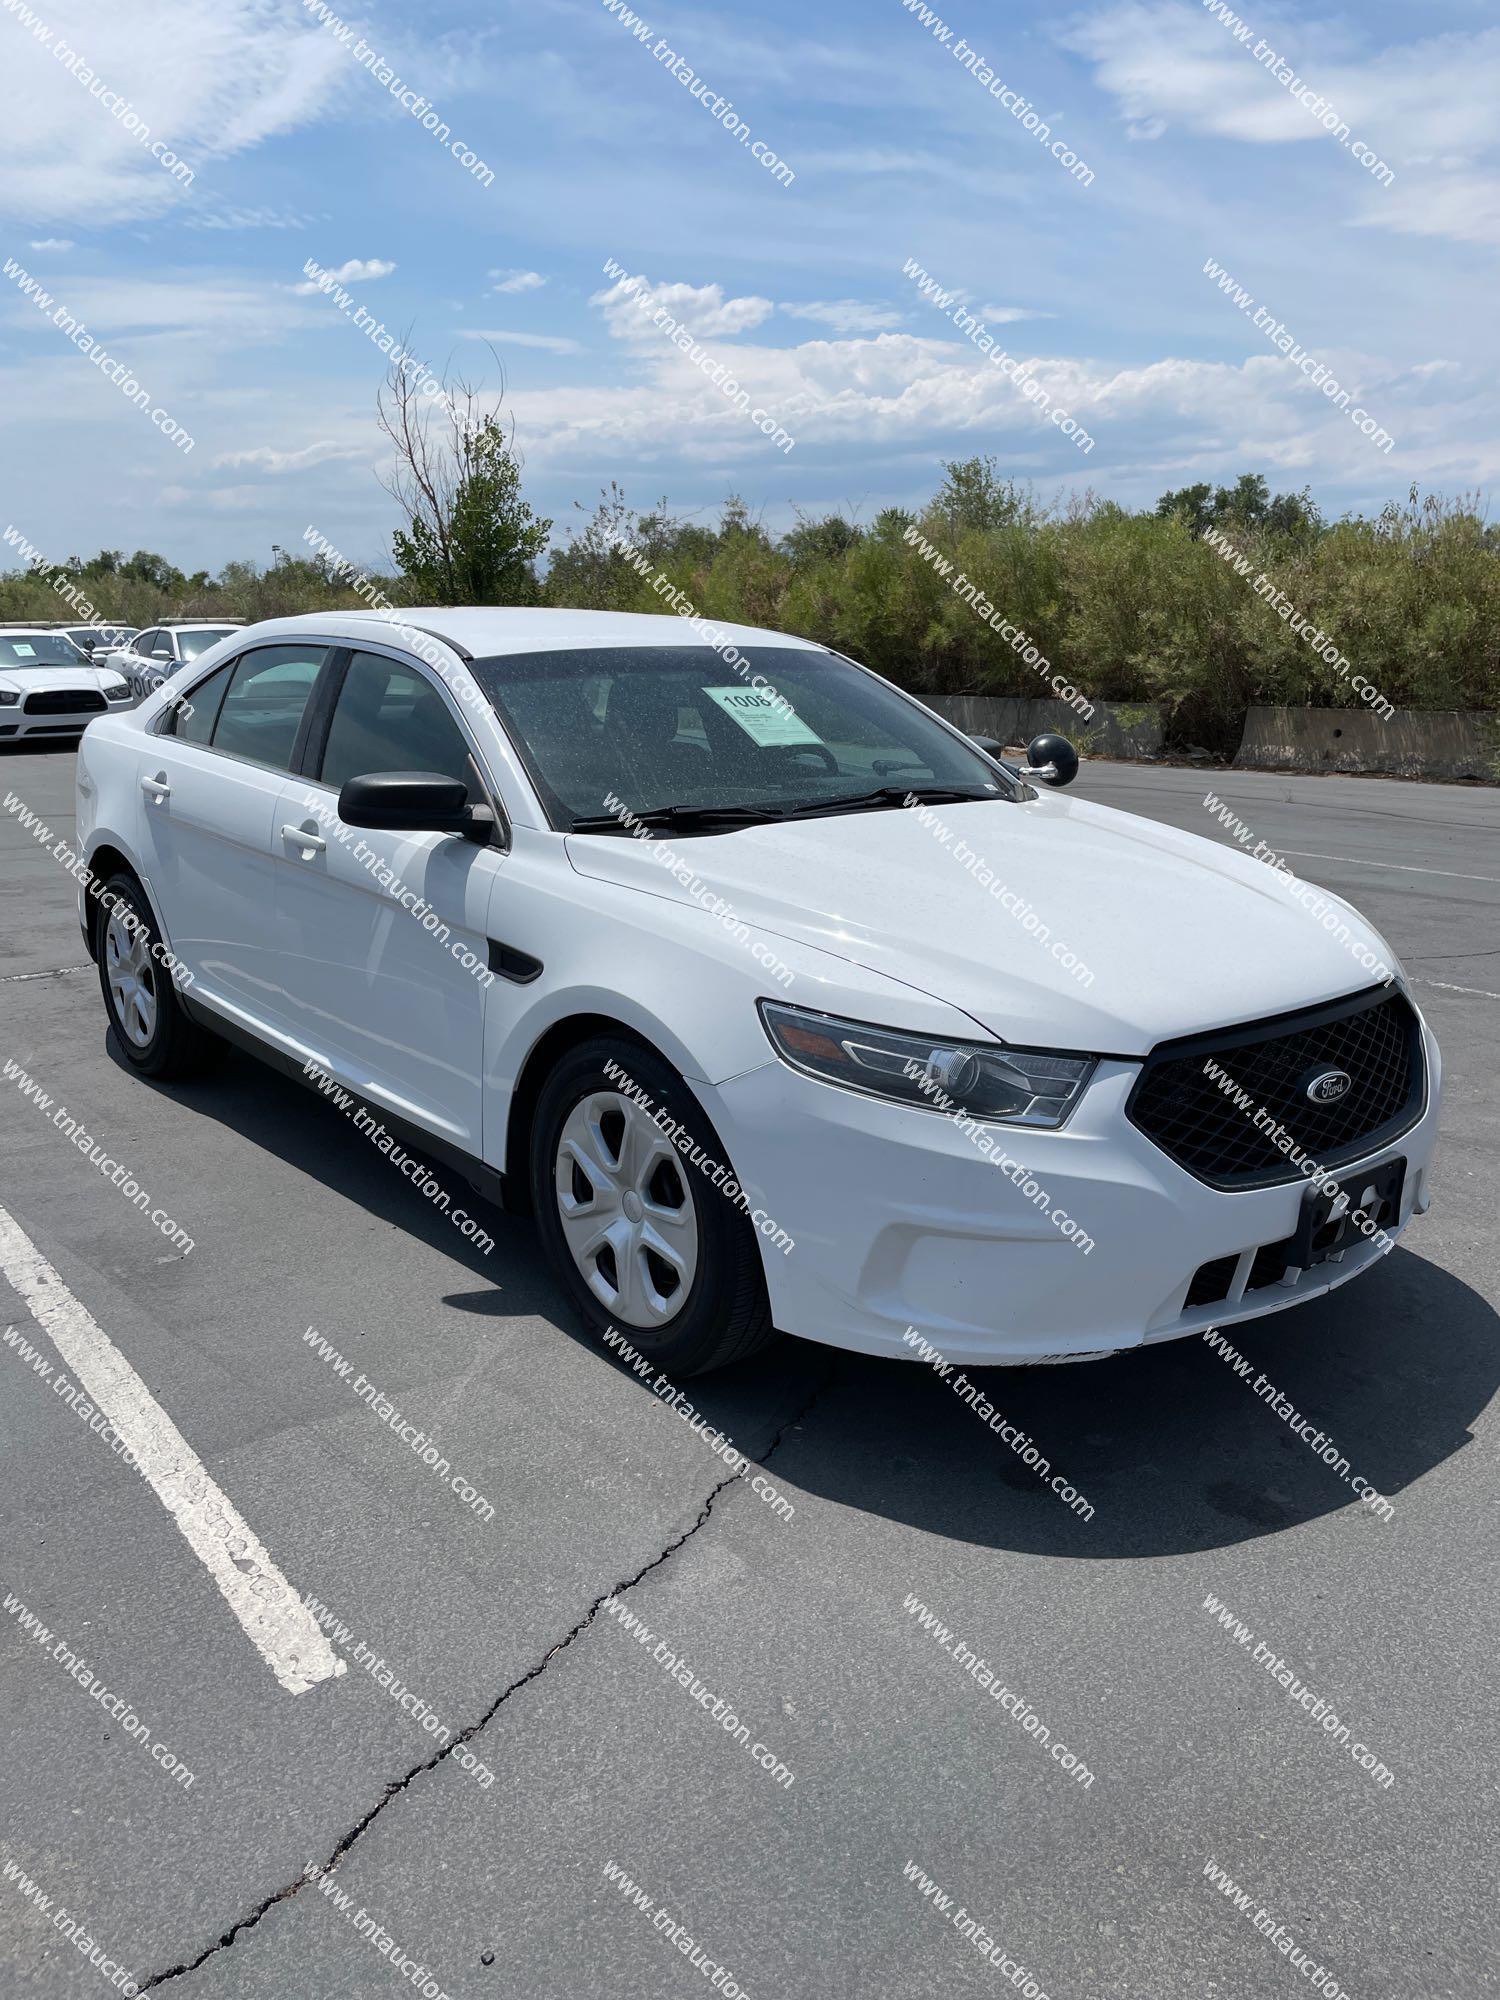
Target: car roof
33,632
483,630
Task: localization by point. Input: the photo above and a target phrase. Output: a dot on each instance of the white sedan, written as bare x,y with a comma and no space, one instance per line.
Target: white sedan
49,687
777,1001
154,655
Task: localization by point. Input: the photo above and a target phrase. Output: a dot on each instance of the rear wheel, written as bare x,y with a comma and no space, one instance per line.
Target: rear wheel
640,1237
153,1030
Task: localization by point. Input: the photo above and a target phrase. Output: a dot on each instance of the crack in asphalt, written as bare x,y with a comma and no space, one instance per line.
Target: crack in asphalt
394,1789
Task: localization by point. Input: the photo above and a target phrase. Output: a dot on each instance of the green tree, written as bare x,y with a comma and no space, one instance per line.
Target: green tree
470,535
814,541
1192,503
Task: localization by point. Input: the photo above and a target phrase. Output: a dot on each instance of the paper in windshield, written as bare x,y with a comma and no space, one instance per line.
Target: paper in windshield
769,719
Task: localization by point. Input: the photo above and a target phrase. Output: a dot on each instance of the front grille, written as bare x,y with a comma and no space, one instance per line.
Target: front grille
1209,1127
64,701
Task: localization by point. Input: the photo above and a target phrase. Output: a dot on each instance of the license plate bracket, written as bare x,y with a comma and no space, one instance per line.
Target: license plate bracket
1331,1217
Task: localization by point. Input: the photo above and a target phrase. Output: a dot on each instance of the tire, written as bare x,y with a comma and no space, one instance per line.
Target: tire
150,1025
686,1289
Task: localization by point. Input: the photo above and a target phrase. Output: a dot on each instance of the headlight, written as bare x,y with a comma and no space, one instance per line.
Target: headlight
120,693
8,697
977,1079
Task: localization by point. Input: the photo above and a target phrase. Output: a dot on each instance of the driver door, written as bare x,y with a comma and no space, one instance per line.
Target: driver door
382,942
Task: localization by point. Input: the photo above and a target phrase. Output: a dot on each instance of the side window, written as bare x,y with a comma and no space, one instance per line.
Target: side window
161,647
194,721
262,710
388,718
143,642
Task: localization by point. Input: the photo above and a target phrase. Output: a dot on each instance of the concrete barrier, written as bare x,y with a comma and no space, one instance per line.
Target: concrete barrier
1116,729
1414,743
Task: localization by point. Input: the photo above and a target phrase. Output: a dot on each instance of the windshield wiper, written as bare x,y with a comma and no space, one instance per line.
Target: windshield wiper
724,819
680,819
896,795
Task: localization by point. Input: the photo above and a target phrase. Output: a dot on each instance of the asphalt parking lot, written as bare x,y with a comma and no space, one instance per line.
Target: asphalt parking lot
599,1756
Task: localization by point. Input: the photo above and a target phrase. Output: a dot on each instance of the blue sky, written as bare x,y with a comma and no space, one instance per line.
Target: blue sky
899,152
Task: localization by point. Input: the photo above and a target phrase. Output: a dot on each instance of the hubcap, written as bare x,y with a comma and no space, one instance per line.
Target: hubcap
132,980
627,1217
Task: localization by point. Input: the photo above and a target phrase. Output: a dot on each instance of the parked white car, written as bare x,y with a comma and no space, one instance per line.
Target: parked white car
154,655
619,922
49,687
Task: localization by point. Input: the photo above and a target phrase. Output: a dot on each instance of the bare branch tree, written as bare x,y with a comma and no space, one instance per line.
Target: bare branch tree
432,437
456,480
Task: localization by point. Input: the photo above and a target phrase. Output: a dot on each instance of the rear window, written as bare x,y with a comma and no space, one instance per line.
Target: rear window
191,644
193,719
262,710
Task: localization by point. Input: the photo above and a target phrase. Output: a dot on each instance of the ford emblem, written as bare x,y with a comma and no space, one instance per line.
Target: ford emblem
1327,1086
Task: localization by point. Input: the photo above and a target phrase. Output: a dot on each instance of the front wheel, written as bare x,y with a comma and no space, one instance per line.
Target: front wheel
644,1242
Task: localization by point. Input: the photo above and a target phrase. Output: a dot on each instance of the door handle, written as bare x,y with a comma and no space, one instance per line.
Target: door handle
157,788
296,837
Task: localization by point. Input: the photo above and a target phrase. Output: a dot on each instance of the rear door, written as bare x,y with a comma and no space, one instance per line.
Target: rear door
210,788
382,937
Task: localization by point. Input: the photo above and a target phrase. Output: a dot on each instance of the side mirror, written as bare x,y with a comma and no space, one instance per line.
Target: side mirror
1052,759
406,802
988,745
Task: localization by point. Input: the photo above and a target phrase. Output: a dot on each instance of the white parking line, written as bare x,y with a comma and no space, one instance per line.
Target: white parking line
283,1631
1480,992
1400,867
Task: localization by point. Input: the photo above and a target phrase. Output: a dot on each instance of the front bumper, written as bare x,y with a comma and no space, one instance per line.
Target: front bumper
16,725
899,1222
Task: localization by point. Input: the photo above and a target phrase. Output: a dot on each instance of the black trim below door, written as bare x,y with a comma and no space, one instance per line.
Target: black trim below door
475,1171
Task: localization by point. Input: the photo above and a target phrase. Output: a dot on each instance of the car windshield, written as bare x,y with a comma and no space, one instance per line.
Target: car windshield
38,649
191,644
615,731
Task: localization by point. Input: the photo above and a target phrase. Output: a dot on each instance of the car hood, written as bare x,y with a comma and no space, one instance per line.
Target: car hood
1178,933
58,674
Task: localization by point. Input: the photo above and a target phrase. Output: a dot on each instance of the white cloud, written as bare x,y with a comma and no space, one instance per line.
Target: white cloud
1006,315
219,500
182,305
904,393
1425,108
233,218
267,459
1163,56
210,78
518,280
54,243
845,315
365,268
1465,207
553,343
702,309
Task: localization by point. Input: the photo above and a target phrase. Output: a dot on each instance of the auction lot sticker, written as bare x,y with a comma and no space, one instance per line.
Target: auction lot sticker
769,719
